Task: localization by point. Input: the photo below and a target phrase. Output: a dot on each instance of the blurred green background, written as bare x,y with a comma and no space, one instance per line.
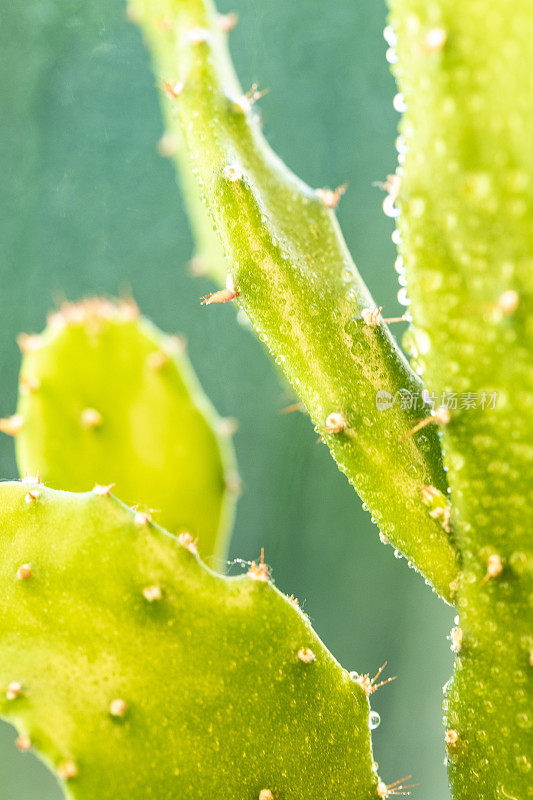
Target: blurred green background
89,207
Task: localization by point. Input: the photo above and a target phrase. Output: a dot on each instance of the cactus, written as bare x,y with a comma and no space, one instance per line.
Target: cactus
295,280
144,674
114,635
464,193
467,242
162,447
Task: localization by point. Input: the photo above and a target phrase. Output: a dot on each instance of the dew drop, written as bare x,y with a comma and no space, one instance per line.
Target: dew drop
389,209
373,720
396,237
403,298
354,675
389,36
399,103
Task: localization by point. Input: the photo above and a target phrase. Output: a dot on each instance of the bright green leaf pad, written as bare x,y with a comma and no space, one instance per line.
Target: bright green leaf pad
296,282
219,704
107,398
466,201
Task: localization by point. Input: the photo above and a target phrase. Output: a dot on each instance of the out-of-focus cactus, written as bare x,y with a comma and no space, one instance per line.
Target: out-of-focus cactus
466,223
290,270
136,672
106,398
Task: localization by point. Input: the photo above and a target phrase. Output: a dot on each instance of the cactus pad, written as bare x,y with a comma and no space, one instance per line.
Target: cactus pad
105,398
136,672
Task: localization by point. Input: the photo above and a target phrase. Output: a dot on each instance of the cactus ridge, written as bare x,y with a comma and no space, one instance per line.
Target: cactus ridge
106,398
144,674
291,273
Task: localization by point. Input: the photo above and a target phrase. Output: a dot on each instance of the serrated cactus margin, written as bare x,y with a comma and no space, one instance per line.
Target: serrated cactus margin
289,269
466,226
144,674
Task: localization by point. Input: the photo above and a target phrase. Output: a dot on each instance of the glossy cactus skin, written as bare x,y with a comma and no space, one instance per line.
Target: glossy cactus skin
295,280
144,674
466,201
106,398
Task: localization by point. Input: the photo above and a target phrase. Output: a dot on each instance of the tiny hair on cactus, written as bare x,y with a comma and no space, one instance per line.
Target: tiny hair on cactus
118,707
227,22
23,742
369,684
331,197
394,789
438,416
258,571
11,425
24,572
13,690
306,655
494,568
223,295
152,593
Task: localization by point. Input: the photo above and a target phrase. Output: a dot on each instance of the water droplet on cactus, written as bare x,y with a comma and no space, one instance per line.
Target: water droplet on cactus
400,144
373,720
390,36
354,675
389,209
396,237
403,299
399,103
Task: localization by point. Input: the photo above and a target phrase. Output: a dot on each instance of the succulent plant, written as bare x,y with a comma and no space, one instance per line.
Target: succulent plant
144,674
161,446
133,669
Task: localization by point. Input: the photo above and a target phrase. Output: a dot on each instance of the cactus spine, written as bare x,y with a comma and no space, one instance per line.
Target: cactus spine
290,270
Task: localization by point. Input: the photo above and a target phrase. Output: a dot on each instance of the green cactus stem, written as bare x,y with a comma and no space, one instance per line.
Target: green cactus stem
105,398
290,270
134,671
466,201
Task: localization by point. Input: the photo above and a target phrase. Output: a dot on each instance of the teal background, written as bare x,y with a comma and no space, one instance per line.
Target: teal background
88,207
